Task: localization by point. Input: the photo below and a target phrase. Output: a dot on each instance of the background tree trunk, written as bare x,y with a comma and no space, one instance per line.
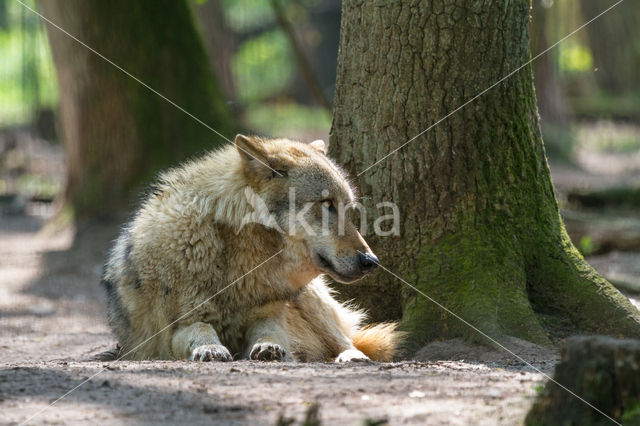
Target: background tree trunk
616,65
304,67
480,230
117,133
219,41
549,91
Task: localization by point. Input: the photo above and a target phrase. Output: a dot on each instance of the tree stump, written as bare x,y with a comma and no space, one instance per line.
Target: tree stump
603,371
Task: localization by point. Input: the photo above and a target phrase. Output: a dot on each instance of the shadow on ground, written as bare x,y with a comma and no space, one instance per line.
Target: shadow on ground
110,396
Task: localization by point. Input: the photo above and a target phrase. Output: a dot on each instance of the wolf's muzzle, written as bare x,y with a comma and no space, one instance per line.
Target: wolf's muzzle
367,261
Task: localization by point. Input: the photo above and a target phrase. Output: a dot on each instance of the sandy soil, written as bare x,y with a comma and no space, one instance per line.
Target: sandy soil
52,319
245,392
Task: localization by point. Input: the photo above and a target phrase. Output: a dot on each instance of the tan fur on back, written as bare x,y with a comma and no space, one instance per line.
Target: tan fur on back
187,242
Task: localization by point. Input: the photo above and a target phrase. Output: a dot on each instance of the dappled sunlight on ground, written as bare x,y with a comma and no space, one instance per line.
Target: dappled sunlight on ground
52,319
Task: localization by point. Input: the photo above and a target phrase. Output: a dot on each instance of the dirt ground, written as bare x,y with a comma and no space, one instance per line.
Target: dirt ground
52,320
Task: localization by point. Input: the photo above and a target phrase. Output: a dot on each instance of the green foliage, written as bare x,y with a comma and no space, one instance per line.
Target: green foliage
27,74
263,66
609,137
586,245
574,57
284,118
36,186
539,389
599,104
246,15
631,415
249,15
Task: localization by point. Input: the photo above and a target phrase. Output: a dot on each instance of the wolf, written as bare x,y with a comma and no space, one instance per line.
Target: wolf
190,278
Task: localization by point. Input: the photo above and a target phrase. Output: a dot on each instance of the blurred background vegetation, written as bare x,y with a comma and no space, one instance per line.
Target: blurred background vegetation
252,57
274,62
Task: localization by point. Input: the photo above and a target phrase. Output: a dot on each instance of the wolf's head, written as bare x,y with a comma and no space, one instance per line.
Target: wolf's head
307,195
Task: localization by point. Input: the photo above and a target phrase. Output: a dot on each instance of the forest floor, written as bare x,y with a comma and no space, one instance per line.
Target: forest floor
52,320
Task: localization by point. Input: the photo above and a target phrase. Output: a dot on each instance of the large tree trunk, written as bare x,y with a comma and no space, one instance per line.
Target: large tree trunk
480,230
118,133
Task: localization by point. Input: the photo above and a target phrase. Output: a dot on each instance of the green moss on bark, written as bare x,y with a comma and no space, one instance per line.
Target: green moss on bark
481,233
571,296
479,275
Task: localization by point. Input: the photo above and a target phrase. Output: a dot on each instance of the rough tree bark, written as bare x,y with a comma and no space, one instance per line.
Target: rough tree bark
480,228
603,371
117,133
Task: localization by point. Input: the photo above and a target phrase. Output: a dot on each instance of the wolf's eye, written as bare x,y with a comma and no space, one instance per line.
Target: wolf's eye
328,204
279,173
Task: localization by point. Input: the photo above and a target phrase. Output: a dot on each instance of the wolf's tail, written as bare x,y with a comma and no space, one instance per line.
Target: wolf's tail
378,341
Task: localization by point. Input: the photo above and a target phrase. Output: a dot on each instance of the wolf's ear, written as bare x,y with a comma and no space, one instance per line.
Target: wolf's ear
250,148
319,146
253,151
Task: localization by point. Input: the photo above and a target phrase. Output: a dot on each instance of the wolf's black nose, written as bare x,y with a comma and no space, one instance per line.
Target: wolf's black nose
368,261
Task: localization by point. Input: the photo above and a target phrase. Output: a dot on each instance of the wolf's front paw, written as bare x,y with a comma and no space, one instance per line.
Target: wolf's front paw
352,355
268,352
211,353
